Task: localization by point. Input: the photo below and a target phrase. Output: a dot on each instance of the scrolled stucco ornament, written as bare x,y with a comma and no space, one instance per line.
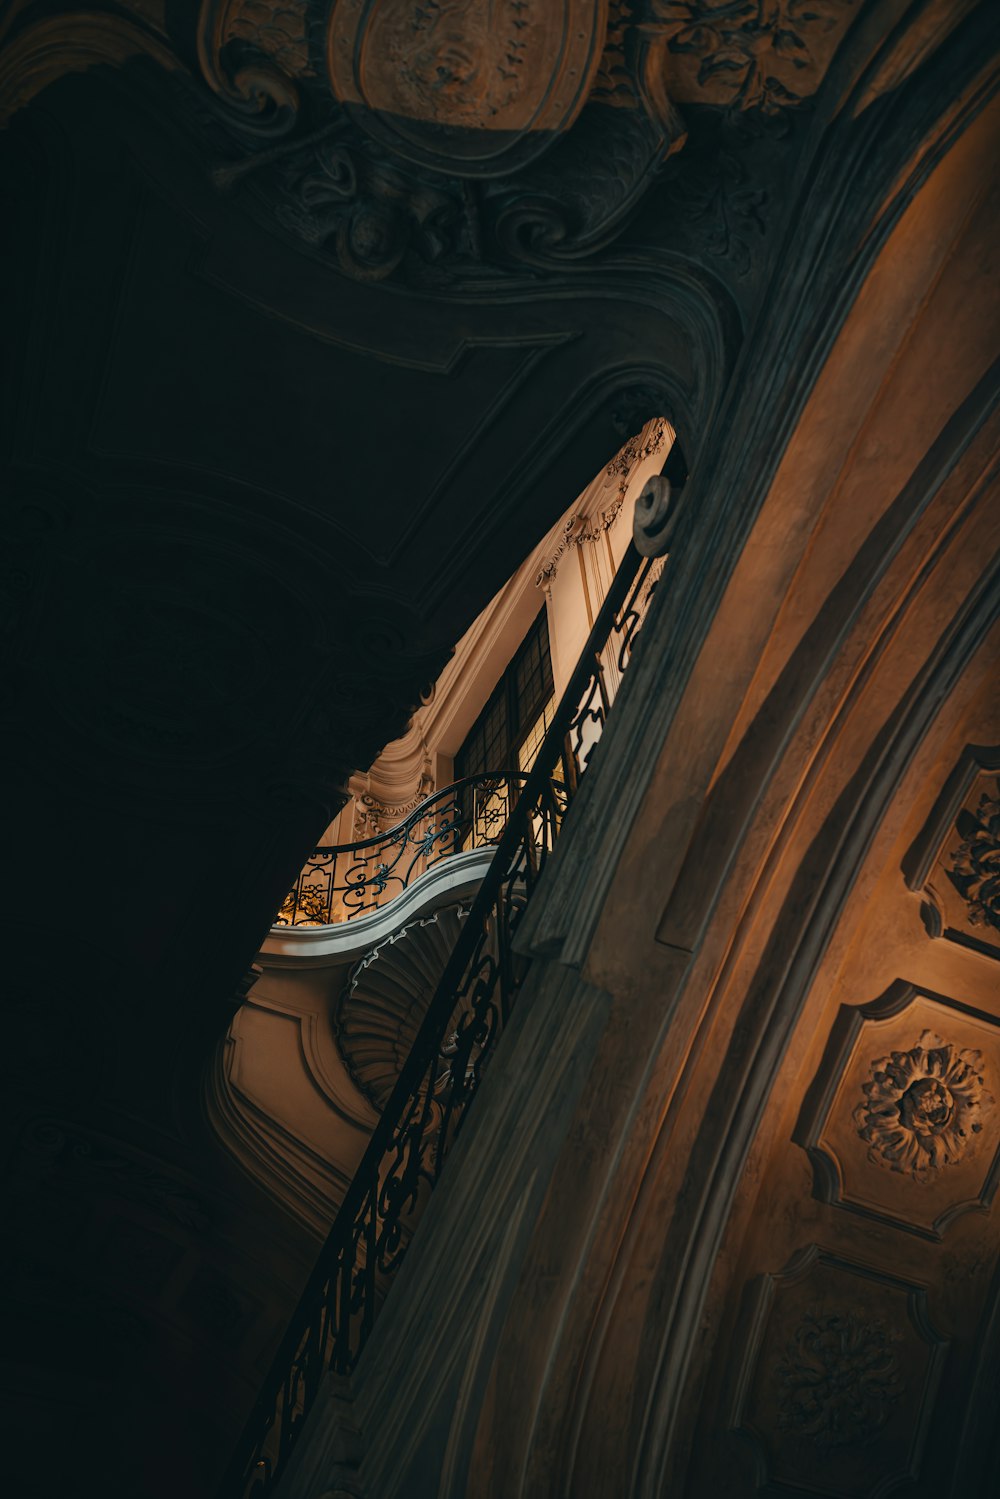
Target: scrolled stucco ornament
924,1107
655,516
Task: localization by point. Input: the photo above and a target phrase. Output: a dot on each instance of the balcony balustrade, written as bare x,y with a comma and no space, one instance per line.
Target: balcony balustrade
522,816
343,881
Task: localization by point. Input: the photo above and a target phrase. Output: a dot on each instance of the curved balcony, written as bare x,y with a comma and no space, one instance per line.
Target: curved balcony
342,882
424,1104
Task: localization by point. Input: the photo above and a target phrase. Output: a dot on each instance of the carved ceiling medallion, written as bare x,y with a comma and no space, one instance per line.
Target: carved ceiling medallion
441,139
445,141
975,864
477,86
955,861
923,1107
840,1379
901,1122
835,1370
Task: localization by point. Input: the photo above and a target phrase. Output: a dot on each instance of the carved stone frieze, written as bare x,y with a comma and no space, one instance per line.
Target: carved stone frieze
444,141
834,1382
954,862
901,1122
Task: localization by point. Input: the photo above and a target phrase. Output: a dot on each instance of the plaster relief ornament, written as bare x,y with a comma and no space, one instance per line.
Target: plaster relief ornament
924,1107
486,82
750,54
840,1379
975,868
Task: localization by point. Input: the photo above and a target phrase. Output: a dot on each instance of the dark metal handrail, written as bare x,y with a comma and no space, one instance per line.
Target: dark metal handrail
441,1075
339,882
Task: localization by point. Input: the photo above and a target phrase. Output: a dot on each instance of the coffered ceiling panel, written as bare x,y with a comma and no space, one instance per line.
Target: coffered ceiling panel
836,1382
901,1123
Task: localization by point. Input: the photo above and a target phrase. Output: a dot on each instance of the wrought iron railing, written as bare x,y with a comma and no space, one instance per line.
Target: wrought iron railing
342,881
440,1078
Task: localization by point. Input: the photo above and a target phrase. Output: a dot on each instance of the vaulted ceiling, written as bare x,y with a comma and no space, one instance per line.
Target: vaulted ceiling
313,325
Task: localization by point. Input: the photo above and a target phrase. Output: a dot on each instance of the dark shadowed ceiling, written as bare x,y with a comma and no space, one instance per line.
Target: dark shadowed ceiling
295,373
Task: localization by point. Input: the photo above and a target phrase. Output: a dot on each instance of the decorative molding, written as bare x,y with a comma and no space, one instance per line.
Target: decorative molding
975,864
304,1182
834,1385
277,28
386,998
720,195
901,1125
760,55
443,145
72,42
584,528
373,817
840,1378
441,148
923,1107
954,862
331,1448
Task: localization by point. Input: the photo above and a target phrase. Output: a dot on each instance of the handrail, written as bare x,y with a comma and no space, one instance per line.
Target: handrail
440,1077
341,881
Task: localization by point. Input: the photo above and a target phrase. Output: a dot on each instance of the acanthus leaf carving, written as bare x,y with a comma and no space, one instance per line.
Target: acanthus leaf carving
715,190
433,184
457,86
424,143
900,1122
954,863
278,30
765,55
835,1385
923,1107
975,864
839,1378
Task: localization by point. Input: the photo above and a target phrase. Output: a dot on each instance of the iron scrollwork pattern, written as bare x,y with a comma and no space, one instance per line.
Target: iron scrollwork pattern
340,882
453,1048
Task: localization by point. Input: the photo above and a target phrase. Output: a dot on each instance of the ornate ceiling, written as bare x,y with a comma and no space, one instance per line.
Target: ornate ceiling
316,318
438,143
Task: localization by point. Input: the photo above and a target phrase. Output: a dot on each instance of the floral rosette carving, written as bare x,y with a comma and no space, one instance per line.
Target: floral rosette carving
840,1379
975,870
924,1107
